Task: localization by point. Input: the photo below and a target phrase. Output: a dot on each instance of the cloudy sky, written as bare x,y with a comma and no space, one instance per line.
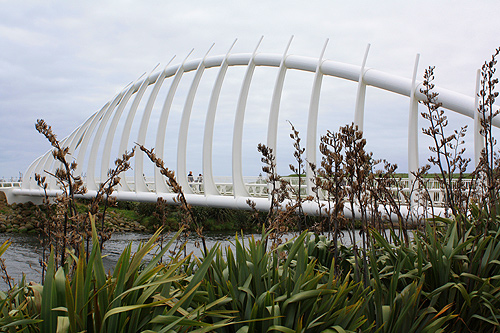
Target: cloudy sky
63,60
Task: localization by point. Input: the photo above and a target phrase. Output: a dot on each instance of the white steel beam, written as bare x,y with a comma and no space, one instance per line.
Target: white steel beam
413,131
160,185
312,122
106,153
239,189
184,127
29,176
127,128
359,111
208,136
80,159
91,182
272,126
140,181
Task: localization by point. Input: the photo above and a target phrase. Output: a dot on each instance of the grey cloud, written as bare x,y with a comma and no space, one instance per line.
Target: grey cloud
62,61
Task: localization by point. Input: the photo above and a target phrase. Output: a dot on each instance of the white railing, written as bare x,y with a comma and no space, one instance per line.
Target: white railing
4,184
258,187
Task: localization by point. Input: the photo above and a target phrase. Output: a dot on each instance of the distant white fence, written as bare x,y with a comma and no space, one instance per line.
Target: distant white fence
4,184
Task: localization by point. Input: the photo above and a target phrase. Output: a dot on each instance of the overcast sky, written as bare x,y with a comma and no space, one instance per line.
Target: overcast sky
62,60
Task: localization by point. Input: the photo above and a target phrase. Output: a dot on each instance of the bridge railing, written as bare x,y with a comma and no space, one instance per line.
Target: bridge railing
9,184
258,187
433,188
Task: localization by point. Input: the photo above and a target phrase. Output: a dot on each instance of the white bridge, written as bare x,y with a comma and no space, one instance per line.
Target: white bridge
91,143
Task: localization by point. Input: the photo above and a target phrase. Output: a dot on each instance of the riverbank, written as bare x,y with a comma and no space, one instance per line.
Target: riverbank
145,217
23,218
131,217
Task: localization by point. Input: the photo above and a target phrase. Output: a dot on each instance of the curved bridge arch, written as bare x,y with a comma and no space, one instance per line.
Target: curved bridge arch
99,129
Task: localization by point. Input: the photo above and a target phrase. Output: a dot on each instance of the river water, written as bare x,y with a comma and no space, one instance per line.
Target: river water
23,255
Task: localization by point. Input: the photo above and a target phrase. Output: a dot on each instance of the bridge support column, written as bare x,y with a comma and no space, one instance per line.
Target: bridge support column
272,126
82,150
91,181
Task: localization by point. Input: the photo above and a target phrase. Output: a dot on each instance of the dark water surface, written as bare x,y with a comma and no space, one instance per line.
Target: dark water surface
23,255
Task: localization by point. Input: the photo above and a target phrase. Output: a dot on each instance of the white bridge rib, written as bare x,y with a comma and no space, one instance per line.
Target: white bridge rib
312,121
140,182
238,183
183,129
208,179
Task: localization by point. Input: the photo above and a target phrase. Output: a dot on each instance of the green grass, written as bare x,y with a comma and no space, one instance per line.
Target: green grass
125,213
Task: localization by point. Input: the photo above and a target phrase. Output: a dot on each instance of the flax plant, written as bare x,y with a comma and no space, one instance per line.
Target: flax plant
62,225
3,267
283,289
357,166
69,225
248,289
45,224
387,191
189,220
447,150
488,168
105,191
161,213
136,296
281,217
331,179
298,170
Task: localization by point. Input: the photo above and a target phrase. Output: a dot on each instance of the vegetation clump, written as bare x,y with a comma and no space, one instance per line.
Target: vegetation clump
439,281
